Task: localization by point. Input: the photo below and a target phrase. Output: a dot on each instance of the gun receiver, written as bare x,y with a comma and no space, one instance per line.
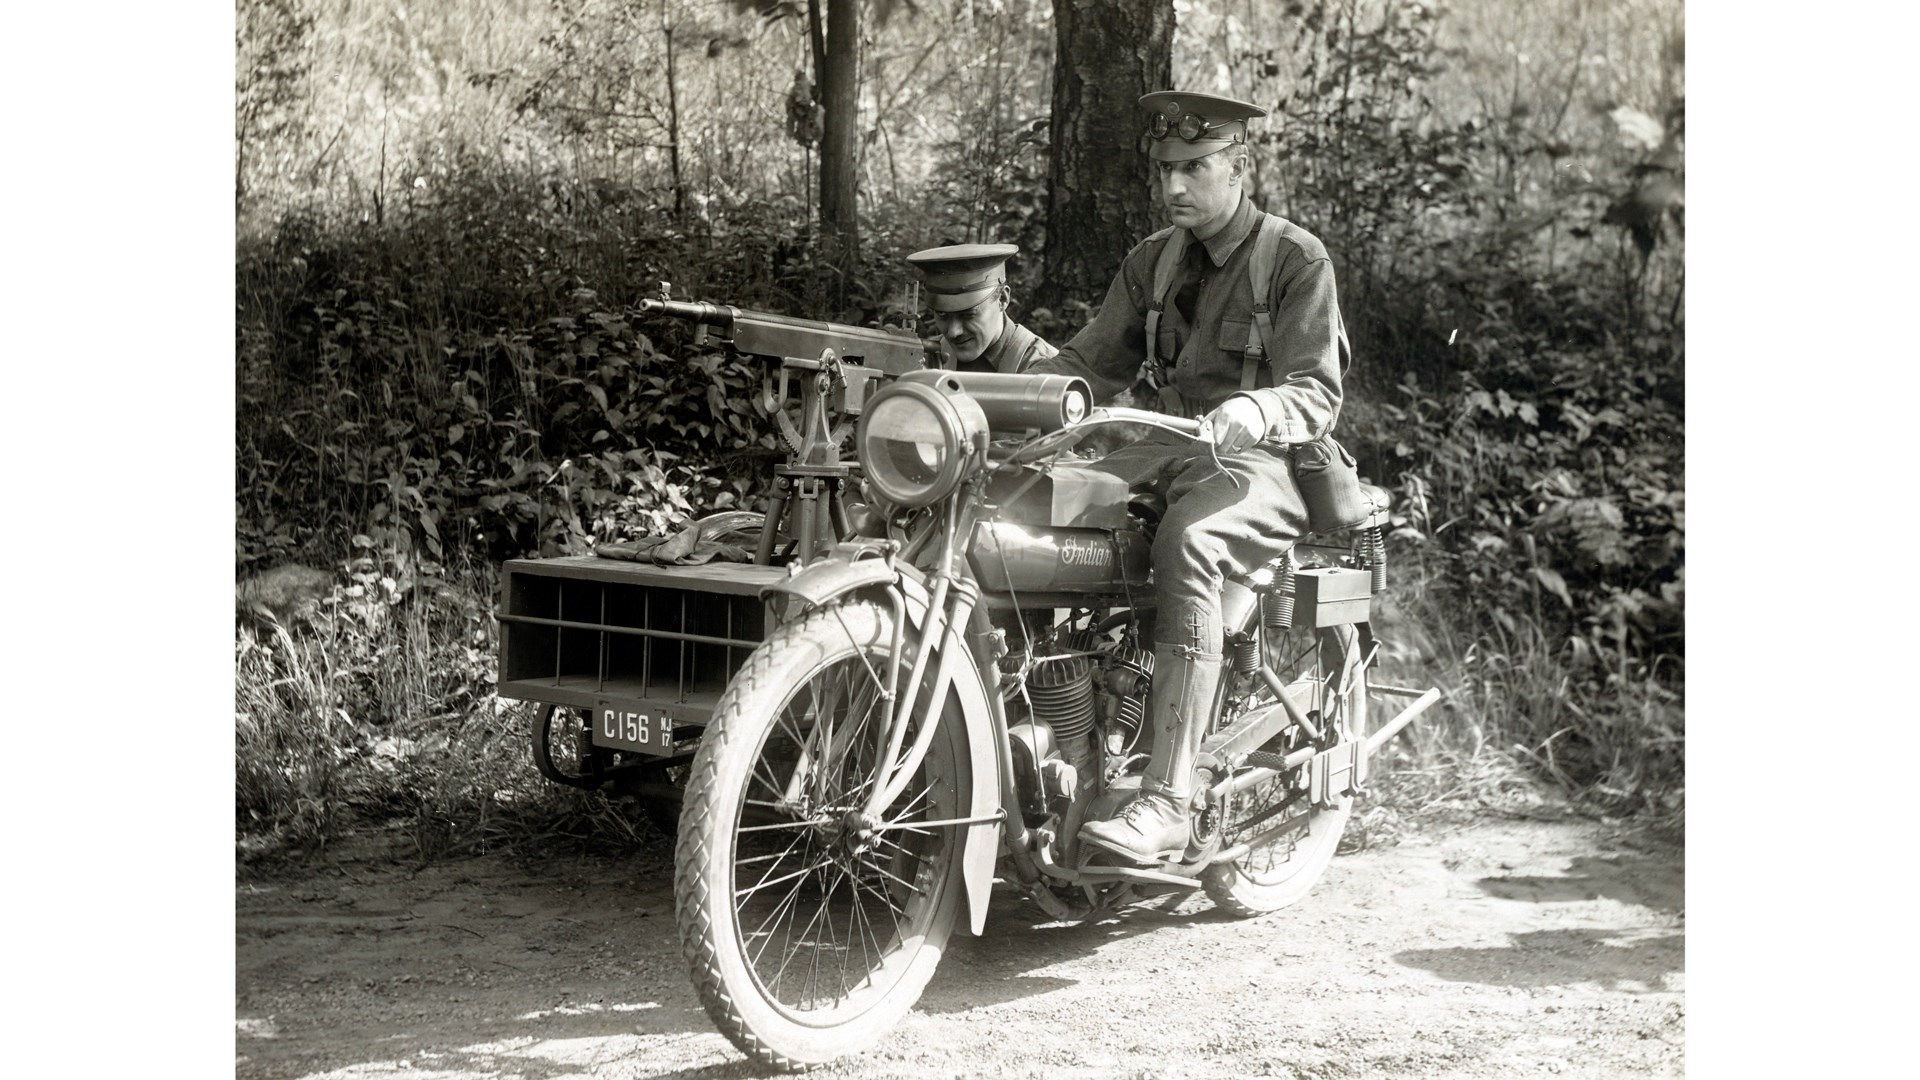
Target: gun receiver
760,333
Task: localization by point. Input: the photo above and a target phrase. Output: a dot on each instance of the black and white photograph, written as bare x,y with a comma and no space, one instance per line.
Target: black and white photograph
952,538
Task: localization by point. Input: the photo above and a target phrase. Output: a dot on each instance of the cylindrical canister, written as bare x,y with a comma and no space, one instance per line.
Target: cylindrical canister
1015,402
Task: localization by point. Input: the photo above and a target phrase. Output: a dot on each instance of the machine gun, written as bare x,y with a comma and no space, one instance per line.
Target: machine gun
779,337
834,365
629,658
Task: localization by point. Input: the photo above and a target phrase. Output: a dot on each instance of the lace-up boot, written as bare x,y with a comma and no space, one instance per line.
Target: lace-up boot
1153,826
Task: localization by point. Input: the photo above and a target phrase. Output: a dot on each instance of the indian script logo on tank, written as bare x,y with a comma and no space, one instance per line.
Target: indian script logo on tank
1086,553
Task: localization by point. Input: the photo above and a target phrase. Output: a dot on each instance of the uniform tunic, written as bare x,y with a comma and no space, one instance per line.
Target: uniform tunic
1011,352
1214,527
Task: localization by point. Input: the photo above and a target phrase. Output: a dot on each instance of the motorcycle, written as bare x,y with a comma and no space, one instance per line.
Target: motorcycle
958,680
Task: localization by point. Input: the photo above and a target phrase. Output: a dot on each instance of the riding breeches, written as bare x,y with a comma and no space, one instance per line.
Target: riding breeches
1221,519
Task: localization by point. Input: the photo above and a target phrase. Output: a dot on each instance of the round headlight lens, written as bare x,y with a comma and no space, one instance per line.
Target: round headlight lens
913,439
905,443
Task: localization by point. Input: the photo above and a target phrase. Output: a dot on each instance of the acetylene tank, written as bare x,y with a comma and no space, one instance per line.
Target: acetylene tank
1060,530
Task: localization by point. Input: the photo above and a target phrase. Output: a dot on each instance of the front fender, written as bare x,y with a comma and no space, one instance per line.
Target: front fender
983,839
857,567
850,567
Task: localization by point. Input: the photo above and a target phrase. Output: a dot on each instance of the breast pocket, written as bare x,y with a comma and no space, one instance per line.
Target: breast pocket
1233,335
1231,354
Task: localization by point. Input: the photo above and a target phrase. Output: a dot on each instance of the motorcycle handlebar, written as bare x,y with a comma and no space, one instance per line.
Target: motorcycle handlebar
1066,437
1116,414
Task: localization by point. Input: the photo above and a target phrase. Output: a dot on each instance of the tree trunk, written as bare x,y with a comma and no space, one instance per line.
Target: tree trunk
1099,202
840,148
673,126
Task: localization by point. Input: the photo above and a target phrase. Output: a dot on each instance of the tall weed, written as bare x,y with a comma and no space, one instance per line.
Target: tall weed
436,368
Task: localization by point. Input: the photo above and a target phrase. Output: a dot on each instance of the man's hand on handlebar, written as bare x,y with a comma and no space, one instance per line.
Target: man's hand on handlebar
1235,426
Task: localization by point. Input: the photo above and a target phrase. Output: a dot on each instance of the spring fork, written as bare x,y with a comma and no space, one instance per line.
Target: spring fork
899,770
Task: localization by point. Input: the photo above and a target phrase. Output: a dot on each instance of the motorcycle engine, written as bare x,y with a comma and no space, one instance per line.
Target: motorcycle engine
1084,695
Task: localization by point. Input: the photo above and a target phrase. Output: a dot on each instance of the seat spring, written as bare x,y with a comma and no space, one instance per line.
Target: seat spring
1374,546
1276,605
1246,654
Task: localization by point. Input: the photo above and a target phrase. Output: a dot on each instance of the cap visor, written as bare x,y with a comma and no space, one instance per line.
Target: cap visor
944,302
1182,150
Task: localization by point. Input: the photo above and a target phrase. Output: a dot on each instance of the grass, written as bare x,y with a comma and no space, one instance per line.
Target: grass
1519,710
358,707
361,705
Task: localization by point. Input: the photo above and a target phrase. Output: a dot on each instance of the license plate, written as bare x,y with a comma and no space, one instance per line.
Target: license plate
630,729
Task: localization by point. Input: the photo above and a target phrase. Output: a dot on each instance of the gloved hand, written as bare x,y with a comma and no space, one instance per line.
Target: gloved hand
1235,426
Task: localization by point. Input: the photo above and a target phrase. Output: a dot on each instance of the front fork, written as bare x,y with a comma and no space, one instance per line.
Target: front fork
950,606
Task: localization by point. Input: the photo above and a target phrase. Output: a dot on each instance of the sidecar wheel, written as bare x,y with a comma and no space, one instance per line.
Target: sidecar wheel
1282,870
812,928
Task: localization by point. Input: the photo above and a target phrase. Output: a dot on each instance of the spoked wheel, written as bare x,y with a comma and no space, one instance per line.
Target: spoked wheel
811,924
1291,839
563,751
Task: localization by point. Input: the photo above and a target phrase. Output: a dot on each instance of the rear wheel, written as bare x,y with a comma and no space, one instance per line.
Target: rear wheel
1292,840
812,926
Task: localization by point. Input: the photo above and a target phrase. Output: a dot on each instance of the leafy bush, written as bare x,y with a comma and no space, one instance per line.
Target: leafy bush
444,373
1519,378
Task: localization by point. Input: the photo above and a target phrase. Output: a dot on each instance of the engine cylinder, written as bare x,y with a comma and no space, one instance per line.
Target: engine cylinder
1062,695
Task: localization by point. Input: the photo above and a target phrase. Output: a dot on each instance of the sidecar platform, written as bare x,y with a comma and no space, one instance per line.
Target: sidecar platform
598,633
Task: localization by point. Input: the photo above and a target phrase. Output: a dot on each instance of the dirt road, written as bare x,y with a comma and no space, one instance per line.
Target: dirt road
1488,948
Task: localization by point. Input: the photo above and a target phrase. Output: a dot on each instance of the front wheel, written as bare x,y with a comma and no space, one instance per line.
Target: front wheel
811,925
1290,840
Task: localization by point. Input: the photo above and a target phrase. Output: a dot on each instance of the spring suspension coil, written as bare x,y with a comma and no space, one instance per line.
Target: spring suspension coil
1245,652
1276,605
1373,552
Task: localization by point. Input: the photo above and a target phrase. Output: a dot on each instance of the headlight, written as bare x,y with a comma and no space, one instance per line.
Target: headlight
915,439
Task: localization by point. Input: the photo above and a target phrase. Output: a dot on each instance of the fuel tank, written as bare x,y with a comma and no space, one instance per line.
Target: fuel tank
1064,528
1012,557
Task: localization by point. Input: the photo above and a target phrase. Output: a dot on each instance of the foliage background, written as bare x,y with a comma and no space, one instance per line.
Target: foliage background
444,211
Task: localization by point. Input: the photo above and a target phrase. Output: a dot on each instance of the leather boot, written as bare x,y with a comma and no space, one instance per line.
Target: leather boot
1153,826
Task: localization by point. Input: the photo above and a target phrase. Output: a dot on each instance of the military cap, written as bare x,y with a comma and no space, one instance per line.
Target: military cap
1183,126
962,275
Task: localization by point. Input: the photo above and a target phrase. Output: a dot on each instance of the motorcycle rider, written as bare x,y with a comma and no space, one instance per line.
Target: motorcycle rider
1191,315
968,294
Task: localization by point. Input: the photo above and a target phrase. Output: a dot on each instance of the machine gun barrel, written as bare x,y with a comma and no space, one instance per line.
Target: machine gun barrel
700,313
761,333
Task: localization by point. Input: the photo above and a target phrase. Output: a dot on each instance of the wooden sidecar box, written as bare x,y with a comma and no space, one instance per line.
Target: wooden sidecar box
591,632
1330,596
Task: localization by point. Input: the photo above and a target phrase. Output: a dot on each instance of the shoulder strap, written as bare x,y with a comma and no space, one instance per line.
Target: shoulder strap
1023,348
1260,267
1171,253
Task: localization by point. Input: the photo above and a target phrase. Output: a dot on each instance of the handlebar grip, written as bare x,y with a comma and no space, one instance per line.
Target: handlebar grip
1117,413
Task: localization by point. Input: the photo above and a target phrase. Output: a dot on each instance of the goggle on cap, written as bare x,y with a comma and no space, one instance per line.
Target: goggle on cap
1182,126
962,275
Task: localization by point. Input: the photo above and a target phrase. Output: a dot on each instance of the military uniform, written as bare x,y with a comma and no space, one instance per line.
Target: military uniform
1226,512
960,277
1016,349
1204,330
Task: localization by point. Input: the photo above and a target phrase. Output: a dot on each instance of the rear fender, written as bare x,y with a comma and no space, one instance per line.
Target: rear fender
860,569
